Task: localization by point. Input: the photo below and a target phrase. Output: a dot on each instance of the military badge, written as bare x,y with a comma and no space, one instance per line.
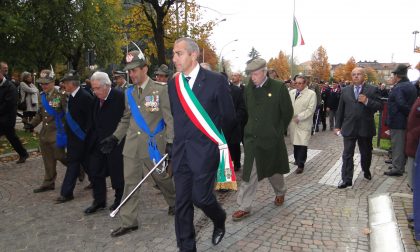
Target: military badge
129,58
269,94
152,102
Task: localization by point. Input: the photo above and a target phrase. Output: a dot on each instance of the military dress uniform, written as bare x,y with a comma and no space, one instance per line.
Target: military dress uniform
47,136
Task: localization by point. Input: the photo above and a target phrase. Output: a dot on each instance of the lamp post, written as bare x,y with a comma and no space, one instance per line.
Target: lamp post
415,35
220,55
216,23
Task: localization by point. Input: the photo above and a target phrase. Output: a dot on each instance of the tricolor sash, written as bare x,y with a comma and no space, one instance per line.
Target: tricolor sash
61,137
226,178
154,153
74,126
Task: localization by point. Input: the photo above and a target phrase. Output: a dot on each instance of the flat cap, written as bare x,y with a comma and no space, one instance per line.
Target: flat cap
134,59
46,76
71,76
162,70
255,64
401,70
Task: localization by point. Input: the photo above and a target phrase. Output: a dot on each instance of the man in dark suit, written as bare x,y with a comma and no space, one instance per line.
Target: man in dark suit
77,122
108,108
355,122
195,157
8,110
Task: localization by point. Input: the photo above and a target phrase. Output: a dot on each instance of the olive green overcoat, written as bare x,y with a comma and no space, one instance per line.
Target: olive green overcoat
269,113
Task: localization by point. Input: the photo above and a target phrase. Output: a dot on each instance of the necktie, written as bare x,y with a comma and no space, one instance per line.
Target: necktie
101,102
297,94
188,78
357,92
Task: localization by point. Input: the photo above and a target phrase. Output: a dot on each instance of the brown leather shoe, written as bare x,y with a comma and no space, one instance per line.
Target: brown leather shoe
299,170
239,215
279,200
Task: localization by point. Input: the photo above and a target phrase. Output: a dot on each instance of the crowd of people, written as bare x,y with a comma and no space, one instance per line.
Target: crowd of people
122,130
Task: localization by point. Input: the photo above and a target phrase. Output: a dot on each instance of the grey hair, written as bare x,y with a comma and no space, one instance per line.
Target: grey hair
24,75
191,44
102,77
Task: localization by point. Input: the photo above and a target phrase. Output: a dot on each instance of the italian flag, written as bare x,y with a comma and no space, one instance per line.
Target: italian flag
297,35
226,178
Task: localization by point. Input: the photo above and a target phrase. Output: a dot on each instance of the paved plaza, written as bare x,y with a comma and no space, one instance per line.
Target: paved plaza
316,216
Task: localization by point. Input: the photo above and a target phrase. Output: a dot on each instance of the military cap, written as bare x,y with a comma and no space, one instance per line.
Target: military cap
401,70
134,59
255,64
119,73
71,76
162,70
46,76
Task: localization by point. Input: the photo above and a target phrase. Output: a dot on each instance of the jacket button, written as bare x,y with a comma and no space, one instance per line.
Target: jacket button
138,132
46,124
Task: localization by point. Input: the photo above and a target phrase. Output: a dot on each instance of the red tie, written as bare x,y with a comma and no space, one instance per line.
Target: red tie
101,102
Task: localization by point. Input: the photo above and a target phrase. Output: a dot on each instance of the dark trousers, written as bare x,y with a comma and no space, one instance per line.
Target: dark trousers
11,136
365,148
194,186
72,173
323,117
100,165
300,153
235,153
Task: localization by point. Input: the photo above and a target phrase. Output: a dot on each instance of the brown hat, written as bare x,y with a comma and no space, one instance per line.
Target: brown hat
255,65
134,59
71,76
162,70
46,76
401,70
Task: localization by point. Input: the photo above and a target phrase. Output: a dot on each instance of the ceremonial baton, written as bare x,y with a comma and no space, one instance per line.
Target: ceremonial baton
113,213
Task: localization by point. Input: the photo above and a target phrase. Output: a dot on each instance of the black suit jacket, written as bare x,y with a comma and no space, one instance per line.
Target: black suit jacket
212,91
8,105
236,134
80,108
105,119
354,118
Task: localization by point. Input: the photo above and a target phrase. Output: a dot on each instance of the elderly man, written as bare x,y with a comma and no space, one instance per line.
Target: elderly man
8,110
269,113
237,80
147,125
195,155
120,81
78,116
304,105
355,122
52,106
108,108
162,74
401,98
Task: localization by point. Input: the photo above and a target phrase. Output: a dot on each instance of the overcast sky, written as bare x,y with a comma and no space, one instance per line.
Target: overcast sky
369,30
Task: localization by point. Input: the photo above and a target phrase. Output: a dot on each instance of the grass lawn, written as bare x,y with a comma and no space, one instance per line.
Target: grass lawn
28,139
385,144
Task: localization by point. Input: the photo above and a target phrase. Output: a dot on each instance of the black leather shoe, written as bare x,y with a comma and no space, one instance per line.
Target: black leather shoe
343,184
171,211
123,230
63,199
393,174
95,207
218,234
22,159
367,175
114,206
44,189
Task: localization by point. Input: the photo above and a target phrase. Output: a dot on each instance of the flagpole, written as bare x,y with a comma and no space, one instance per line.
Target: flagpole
293,22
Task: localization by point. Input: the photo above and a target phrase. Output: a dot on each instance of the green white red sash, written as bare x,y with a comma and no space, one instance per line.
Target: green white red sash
226,178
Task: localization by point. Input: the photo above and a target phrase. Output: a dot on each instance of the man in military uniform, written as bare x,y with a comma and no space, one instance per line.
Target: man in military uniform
162,74
51,115
151,100
120,81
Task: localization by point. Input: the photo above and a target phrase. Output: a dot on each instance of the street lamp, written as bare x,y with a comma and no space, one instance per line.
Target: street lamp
220,55
415,35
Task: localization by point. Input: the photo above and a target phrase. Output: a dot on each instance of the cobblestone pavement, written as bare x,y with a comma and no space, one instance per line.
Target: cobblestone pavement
316,216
